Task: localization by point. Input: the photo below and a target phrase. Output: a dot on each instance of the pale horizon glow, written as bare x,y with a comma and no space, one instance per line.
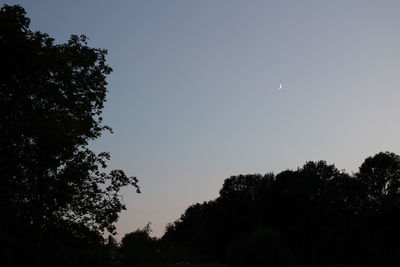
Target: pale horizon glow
193,100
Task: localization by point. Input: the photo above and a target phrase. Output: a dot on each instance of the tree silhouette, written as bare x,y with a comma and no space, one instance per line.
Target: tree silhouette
381,176
313,215
138,248
51,99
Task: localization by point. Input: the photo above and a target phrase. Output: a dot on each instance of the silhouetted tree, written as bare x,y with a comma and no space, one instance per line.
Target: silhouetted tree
138,248
204,241
51,99
381,176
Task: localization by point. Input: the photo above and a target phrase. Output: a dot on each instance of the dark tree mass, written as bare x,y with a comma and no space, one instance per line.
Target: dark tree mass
314,215
58,203
52,185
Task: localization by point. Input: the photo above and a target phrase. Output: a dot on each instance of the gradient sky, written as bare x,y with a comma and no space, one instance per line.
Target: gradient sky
194,96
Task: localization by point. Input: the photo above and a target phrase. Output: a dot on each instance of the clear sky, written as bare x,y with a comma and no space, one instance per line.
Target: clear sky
194,96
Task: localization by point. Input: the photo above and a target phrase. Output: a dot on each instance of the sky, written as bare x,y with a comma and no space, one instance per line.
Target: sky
194,98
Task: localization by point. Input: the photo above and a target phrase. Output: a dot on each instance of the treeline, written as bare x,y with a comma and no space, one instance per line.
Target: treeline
58,201
316,214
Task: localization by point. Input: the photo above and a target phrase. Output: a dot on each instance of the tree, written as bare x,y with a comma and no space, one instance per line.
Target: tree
138,248
51,100
381,176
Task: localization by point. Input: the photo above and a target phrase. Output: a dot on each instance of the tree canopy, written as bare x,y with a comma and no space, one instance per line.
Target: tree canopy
51,100
313,215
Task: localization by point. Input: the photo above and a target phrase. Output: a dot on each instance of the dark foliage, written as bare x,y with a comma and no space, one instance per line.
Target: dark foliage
55,199
313,215
138,248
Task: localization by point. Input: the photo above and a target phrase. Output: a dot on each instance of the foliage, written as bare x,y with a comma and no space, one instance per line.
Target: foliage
138,248
51,100
319,215
381,176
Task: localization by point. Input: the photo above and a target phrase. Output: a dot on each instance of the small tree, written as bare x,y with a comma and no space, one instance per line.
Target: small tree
138,248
